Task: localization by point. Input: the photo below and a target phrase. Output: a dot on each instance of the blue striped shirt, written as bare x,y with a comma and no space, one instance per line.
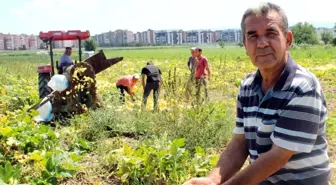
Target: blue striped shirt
292,116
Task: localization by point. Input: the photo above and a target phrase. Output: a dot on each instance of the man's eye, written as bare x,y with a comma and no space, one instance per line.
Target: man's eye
253,37
272,34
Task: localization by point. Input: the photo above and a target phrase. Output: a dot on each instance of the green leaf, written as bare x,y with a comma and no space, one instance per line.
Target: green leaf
6,131
179,142
75,157
65,174
8,171
50,164
200,151
45,174
52,180
84,144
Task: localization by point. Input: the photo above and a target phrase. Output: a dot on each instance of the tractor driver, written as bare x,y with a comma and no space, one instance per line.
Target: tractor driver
65,60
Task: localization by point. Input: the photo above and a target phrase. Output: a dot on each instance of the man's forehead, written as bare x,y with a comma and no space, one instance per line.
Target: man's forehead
269,20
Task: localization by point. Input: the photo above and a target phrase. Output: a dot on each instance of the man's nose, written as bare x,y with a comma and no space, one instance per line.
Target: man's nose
262,42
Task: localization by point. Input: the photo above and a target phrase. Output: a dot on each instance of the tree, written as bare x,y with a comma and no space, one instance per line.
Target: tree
327,37
221,44
334,42
90,45
304,33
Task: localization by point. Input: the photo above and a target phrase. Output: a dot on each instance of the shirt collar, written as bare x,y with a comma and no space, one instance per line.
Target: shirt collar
286,77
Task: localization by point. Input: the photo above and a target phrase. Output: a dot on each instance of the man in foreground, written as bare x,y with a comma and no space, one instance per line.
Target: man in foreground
192,67
202,72
153,82
281,113
127,83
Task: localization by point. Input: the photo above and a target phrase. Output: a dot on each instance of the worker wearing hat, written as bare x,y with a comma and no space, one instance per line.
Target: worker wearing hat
192,67
127,83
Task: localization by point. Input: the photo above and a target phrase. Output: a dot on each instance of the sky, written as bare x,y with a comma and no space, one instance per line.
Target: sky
97,16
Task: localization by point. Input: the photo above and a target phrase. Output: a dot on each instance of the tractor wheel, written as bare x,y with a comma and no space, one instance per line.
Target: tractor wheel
44,89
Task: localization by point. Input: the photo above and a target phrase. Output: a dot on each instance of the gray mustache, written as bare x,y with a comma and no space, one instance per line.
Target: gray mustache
264,51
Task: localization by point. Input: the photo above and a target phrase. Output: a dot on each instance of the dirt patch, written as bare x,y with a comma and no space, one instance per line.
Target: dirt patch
92,173
332,155
323,68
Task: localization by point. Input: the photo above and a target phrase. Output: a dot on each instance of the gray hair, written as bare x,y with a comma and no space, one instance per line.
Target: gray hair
264,9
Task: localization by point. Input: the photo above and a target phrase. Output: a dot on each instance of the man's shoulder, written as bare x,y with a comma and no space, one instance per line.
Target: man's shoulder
305,80
204,58
247,81
63,56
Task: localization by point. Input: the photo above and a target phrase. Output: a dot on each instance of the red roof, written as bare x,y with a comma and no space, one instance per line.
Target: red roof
64,35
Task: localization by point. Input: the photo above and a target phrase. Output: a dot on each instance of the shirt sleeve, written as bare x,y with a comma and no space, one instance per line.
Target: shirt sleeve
143,71
205,62
62,59
189,62
298,125
239,128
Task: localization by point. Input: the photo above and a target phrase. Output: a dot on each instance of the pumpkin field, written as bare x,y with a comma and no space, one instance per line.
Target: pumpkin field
122,144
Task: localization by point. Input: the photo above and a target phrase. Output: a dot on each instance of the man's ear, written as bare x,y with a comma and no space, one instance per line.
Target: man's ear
289,39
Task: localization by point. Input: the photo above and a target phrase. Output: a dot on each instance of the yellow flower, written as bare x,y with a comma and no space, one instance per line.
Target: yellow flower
3,91
3,119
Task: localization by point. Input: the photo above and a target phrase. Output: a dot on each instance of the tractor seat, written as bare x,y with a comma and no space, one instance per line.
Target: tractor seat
61,67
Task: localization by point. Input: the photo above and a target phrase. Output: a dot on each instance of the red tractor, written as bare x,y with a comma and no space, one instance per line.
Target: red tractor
80,76
46,71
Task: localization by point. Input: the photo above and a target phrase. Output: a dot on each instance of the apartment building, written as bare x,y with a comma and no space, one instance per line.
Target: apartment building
2,41
32,42
24,41
148,36
206,37
161,37
129,36
116,38
193,37
9,42
15,42
217,35
137,37
232,35
175,37
121,37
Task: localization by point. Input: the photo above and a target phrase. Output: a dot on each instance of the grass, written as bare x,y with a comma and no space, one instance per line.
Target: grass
115,126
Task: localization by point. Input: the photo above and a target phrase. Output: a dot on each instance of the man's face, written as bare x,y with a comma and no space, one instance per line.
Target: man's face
68,52
265,42
198,53
193,53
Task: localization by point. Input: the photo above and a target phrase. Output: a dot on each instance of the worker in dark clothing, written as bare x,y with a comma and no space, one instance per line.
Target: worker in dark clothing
153,82
192,67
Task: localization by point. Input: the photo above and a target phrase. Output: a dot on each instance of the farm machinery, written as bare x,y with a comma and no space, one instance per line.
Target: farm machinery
73,89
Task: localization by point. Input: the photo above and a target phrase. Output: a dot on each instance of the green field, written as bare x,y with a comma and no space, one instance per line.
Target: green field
181,141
